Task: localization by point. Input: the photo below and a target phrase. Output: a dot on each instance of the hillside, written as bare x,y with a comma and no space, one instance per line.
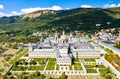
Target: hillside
68,20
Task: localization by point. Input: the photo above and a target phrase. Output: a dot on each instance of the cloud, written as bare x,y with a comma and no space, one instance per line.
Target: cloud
5,14
111,5
56,8
1,14
13,13
118,5
85,6
29,10
16,13
67,8
1,6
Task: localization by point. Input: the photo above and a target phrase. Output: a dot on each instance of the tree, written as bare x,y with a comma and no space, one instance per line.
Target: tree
37,73
33,62
63,76
107,76
21,76
15,46
4,77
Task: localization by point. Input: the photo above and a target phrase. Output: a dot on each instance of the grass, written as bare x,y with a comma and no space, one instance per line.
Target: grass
76,60
21,61
51,64
26,55
77,66
101,66
36,67
91,71
25,67
89,59
41,60
70,67
19,68
57,67
88,66
102,70
18,56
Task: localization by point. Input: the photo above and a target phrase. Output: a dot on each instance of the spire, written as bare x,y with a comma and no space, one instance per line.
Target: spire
63,33
56,35
71,35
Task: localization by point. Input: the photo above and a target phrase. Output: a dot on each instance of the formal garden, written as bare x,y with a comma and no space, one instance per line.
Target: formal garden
77,65
32,64
50,64
47,64
89,59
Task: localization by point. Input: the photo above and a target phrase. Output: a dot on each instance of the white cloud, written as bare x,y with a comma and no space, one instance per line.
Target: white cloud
67,8
16,13
111,5
29,10
1,14
56,8
13,13
85,6
4,14
119,5
1,6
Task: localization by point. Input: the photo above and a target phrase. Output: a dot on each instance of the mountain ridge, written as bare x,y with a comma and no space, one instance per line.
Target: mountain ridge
69,20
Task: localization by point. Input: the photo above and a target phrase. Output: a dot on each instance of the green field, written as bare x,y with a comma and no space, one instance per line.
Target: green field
77,66
88,66
36,67
101,66
76,60
89,59
24,51
51,64
41,60
91,71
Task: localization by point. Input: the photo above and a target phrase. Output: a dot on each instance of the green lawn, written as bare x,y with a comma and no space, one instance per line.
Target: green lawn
76,60
24,51
89,59
26,55
19,68
41,60
57,67
77,66
91,71
70,68
36,67
101,66
51,64
21,61
88,66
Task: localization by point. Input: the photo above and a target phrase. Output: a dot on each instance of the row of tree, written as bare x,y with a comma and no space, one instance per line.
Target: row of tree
34,75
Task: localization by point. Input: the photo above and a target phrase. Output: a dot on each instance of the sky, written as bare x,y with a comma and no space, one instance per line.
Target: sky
19,7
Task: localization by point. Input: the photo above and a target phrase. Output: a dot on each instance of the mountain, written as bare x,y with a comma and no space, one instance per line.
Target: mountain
69,20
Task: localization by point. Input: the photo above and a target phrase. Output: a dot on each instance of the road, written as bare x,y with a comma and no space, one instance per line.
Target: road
110,46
